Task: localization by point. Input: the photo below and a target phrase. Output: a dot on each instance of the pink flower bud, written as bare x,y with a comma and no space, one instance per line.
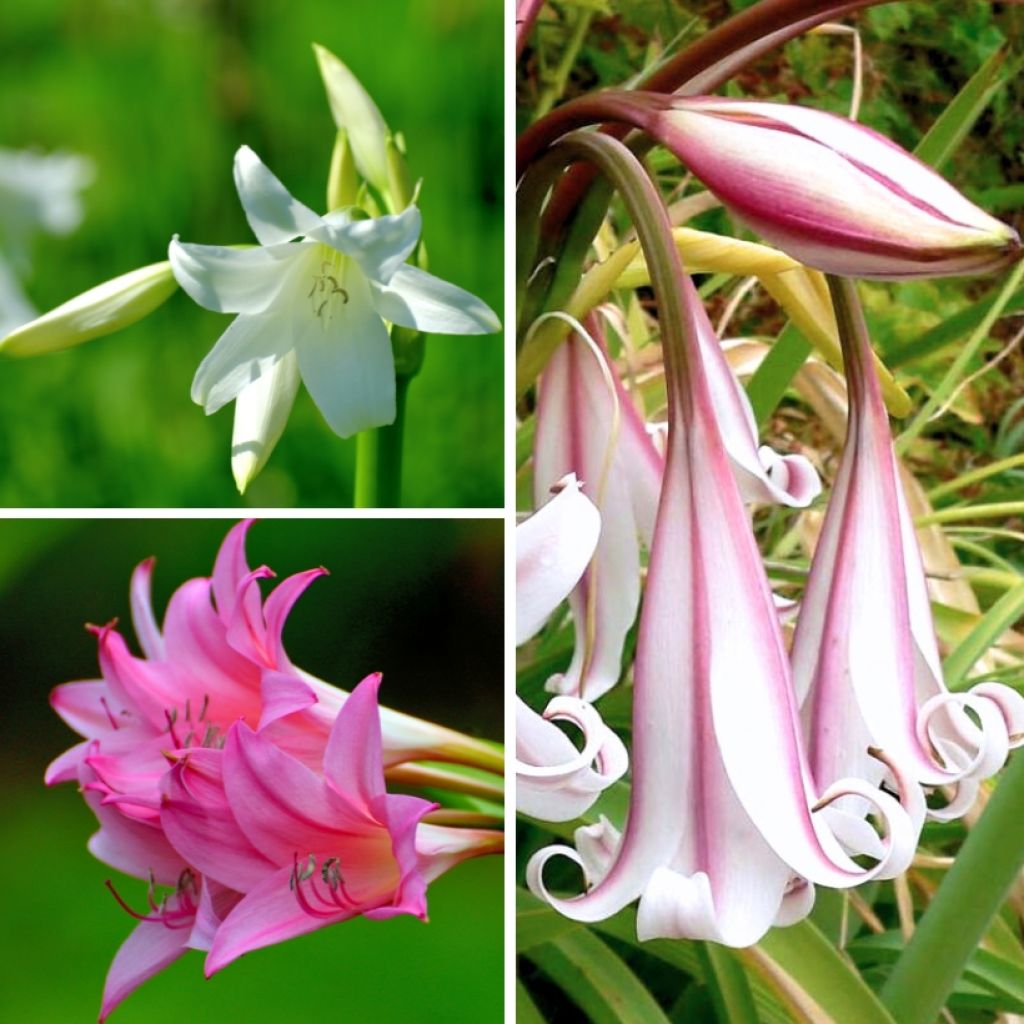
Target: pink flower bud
830,192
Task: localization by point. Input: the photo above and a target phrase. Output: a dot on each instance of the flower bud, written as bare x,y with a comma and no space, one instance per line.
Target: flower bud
354,110
830,192
101,310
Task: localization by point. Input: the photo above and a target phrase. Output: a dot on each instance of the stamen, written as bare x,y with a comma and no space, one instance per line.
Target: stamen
110,714
171,719
205,707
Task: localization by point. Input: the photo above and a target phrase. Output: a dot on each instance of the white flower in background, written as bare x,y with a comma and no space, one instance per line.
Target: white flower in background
38,193
312,300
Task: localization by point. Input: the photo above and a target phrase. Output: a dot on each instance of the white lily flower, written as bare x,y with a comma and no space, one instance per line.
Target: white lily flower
321,288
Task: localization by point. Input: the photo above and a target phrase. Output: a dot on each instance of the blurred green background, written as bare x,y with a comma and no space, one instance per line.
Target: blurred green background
160,94
420,600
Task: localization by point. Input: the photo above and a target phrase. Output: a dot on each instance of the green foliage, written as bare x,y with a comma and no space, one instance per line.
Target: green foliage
159,95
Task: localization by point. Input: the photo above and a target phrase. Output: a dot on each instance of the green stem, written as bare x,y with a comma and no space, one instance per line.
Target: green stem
379,458
966,901
975,475
990,510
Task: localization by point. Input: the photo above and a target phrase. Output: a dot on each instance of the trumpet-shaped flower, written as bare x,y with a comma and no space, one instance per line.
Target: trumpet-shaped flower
724,826
865,662
339,845
321,288
587,425
830,192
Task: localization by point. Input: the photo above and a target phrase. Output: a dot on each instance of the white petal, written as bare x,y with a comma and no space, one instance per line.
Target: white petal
380,245
244,352
414,298
272,212
553,548
261,412
233,280
346,362
354,111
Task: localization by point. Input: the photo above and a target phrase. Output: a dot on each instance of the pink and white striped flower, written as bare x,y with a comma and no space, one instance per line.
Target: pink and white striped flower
724,829
865,662
833,193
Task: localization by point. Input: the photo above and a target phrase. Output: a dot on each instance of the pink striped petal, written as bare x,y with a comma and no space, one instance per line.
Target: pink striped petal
554,780
865,659
577,434
834,194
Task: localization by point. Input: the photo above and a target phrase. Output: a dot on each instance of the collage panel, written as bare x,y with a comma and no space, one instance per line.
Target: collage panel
769,457
286,217
284,781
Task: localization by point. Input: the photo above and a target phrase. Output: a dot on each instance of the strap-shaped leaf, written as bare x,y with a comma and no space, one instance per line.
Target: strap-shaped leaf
597,980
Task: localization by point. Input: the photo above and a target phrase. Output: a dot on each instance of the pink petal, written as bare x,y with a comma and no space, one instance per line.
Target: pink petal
146,629
126,844
280,602
88,707
268,914
150,948
247,632
353,763
215,903
283,695
64,768
198,822
576,420
281,805
229,569
207,665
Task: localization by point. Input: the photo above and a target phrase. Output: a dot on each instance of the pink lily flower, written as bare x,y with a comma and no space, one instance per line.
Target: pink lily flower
219,658
865,662
338,845
831,192
723,836
184,919
588,425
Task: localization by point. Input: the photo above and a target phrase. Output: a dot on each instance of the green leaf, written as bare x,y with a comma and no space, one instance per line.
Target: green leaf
1000,617
596,979
951,330
963,907
955,122
685,957
526,1009
821,973
985,973
770,380
728,985
537,923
